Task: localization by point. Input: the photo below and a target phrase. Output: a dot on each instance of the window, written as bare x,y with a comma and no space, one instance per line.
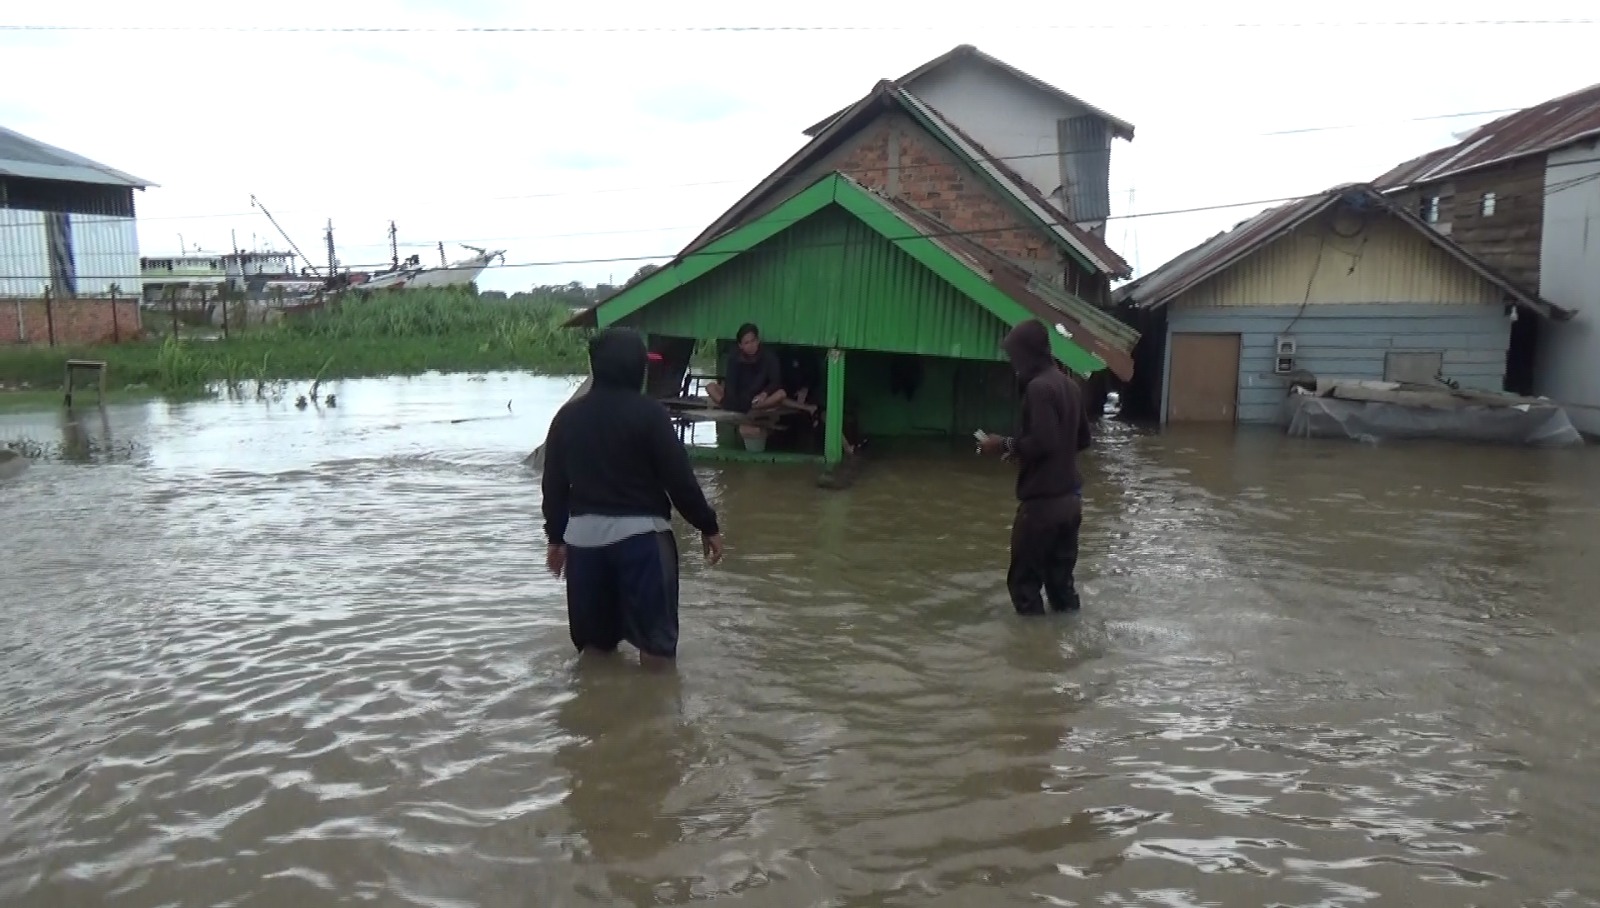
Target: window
1429,210
1488,204
1413,368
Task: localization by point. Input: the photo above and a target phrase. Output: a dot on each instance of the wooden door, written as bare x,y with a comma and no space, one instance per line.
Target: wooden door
1203,378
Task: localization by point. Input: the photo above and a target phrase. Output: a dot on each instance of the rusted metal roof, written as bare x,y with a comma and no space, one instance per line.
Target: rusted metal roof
32,159
1220,252
1100,334
1119,127
888,95
1535,130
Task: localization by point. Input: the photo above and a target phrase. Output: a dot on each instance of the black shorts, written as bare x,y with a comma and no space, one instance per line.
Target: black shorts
627,590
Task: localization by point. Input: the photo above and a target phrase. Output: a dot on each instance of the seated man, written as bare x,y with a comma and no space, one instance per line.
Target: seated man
752,378
801,377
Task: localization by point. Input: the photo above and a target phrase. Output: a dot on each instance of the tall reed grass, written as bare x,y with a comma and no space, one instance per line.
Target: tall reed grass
401,333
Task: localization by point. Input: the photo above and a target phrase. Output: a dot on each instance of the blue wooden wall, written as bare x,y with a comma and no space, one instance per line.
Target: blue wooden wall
1347,341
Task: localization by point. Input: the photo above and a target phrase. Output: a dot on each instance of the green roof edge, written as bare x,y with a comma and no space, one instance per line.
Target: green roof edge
835,188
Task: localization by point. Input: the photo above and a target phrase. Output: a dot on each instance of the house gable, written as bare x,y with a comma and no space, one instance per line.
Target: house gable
1060,146
831,266
1336,221
1316,265
894,155
892,142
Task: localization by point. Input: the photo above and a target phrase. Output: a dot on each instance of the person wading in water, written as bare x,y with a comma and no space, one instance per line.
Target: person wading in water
1054,428
614,470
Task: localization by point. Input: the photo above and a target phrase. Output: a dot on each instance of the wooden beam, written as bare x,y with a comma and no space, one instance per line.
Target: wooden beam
833,426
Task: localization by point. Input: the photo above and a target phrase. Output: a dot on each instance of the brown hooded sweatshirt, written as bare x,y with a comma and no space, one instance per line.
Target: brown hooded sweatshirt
1054,427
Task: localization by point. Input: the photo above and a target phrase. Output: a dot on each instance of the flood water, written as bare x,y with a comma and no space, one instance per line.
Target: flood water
258,656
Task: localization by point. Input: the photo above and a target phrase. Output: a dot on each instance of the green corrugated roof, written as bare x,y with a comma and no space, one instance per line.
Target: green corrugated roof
836,190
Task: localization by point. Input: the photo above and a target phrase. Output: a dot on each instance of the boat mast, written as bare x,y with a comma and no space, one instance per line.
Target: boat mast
254,203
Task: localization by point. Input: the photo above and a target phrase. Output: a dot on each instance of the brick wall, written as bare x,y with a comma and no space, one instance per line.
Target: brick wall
77,322
897,157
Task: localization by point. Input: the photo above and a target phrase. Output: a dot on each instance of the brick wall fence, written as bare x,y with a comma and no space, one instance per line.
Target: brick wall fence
78,322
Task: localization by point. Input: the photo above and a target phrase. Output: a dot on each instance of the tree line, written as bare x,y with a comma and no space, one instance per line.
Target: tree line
575,294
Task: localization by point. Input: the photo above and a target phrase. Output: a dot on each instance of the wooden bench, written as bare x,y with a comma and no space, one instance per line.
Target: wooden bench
94,365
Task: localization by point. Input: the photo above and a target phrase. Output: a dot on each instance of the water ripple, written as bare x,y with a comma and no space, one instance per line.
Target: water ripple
281,657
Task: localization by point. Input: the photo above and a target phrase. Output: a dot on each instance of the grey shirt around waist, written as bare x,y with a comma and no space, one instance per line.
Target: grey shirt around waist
593,531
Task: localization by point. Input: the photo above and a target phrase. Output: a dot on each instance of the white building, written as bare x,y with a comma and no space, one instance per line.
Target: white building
66,223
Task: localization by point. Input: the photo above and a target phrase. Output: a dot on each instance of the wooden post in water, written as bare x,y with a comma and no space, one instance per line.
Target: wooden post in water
50,316
833,426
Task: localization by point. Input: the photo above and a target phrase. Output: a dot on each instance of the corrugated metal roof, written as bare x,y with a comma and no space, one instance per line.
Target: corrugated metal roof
31,159
1091,247
1120,128
1092,331
1222,251
1541,128
1103,335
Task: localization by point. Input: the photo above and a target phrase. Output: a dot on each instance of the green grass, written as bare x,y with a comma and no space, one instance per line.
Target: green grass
388,334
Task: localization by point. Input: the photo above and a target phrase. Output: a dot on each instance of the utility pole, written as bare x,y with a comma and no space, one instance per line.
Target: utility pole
394,247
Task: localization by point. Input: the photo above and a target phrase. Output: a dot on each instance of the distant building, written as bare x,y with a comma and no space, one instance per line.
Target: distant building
1523,194
197,275
1342,285
66,223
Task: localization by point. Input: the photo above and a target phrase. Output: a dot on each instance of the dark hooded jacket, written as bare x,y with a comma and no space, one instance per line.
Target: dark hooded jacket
1054,427
614,452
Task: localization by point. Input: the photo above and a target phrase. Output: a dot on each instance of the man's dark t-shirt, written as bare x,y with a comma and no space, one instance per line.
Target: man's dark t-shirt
743,379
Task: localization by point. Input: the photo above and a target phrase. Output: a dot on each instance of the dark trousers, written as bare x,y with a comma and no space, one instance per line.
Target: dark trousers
625,591
1044,554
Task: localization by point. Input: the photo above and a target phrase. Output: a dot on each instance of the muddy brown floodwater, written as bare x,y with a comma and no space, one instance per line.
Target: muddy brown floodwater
255,656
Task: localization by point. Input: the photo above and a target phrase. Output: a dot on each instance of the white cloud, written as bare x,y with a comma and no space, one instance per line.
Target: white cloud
585,146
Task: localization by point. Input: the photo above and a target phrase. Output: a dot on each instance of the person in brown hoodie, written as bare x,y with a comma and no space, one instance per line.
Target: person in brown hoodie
1053,429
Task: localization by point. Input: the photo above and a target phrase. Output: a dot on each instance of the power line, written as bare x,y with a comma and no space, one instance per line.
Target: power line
745,29
883,169
1554,188
1543,193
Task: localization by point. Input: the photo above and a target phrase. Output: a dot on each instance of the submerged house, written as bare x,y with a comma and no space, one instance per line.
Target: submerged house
893,252
904,316
1344,284
1523,194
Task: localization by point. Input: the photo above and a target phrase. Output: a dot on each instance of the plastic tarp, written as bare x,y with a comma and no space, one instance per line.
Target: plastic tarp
1381,411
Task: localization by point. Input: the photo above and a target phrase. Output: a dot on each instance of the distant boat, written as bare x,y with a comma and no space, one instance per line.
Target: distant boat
411,276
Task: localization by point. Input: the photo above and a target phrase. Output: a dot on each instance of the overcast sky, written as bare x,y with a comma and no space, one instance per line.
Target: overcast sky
586,146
